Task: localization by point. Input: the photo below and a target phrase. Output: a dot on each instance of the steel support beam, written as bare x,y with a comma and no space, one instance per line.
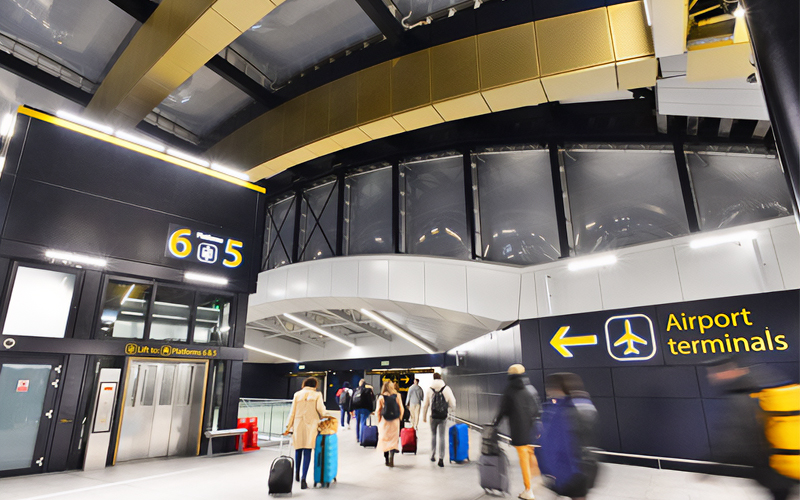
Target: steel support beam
380,15
367,328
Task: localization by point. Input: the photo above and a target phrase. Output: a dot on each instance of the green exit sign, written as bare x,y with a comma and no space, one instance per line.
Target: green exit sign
384,363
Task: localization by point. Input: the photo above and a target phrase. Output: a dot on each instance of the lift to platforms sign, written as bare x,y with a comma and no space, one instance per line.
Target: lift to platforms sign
760,328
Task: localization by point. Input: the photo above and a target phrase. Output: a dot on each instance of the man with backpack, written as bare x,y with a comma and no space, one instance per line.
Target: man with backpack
344,397
363,402
439,397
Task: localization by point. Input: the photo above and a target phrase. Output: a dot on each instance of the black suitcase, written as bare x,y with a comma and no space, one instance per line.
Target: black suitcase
280,474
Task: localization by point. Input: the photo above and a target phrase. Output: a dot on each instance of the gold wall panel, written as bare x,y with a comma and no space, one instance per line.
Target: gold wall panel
574,41
637,73
374,92
581,83
294,120
507,56
454,69
344,104
518,95
629,30
411,81
317,107
382,128
462,107
729,61
419,118
268,137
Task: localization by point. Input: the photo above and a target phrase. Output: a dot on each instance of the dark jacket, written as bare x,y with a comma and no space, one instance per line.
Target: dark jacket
520,404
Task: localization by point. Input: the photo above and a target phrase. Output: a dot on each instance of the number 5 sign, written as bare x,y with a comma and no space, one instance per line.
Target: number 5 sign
185,243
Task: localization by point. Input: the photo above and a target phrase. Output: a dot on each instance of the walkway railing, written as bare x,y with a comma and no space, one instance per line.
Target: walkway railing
272,415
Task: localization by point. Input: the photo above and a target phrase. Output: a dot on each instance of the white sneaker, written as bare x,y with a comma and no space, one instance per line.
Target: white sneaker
527,495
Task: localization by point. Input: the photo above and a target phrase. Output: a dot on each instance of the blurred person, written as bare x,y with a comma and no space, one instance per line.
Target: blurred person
566,460
390,414
344,397
363,402
414,401
441,401
307,410
520,405
742,422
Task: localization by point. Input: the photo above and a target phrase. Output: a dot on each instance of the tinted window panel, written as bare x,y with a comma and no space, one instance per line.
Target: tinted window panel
368,218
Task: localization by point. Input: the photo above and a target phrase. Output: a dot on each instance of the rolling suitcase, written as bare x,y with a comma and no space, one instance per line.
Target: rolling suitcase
369,435
493,470
280,474
408,440
326,459
459,443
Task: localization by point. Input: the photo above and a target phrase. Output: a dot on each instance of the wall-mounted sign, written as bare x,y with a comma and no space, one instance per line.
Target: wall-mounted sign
22,385
209,249
384,363
104,408
167,351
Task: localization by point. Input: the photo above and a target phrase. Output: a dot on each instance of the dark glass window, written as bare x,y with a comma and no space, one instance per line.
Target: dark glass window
518,217
435,217
125,308
280,234
212,320
318,222
171,311
368,212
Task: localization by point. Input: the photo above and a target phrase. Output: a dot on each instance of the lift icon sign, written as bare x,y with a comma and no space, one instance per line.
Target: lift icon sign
630,337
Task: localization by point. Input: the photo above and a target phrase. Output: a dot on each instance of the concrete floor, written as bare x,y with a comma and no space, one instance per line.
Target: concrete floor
362,476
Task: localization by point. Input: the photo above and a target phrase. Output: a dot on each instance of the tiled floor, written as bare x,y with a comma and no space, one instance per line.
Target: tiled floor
362,476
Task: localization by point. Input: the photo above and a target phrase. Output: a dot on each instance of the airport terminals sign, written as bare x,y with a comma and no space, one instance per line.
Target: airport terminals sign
205,248
760,328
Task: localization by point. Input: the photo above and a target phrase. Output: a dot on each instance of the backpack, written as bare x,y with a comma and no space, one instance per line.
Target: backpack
439,405
391,410
356,401
345,399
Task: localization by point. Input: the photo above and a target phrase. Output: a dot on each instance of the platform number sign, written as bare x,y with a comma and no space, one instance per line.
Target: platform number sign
210,249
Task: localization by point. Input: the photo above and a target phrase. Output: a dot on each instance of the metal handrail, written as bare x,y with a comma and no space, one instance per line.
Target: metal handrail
272,415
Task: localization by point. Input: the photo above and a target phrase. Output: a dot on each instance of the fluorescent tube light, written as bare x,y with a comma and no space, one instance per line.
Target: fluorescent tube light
262,351
605,260
140,141
725,238
127,294
295,319
233,173
183,156
86,123
76,258
205,278
402,333
7,126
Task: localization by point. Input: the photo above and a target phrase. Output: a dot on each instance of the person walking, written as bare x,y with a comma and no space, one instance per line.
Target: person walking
390,414
307,410
363,403
345,398
440,399
520,405
414,401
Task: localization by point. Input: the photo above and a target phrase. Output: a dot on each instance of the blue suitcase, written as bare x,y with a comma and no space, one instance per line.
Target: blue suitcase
369,435
459,443
326,459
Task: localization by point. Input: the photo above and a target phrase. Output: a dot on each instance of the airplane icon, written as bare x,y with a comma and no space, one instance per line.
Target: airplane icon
630,338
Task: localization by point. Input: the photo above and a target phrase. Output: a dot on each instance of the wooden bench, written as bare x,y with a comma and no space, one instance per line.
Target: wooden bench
226,433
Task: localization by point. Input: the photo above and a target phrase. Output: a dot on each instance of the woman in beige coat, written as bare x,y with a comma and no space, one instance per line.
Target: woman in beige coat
307,410
389,430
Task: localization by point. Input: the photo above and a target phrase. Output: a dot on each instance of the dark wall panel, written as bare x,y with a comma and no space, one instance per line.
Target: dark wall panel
656,381
666,427
597,381
607,431
66,417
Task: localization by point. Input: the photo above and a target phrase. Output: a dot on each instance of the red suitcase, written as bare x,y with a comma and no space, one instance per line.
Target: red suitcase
408,440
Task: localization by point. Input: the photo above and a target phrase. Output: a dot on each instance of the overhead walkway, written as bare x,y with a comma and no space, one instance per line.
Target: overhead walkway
362,476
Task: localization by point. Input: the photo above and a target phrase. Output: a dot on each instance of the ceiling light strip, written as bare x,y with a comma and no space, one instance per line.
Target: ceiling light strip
205,278
75,258
580,264
402,333
268,353
710,241
75,127
295,319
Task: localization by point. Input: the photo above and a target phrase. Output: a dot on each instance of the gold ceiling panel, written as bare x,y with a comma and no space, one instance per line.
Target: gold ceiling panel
317,108
518,95
419,118
629,30
637,73
344,104
323,147
454,69
187,54
374,92
574,41
728,61
507,56
585,82
411,81
462,107
382,128
294,121
350,138
212,30
243,15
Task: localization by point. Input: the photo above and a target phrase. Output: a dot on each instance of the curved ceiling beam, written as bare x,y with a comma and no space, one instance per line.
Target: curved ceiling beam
179,38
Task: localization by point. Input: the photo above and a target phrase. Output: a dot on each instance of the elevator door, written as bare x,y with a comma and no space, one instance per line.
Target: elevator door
163,410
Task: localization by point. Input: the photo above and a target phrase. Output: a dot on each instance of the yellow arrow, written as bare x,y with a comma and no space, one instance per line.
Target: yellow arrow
559,342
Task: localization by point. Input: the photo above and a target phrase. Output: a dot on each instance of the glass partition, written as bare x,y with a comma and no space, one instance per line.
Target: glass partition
434,216
125,308
736,188
40,303
21,412
280,234
212,319
368,212
621,197
517,210
171,314
318,219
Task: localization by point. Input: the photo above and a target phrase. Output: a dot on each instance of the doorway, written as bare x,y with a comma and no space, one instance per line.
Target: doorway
163,409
